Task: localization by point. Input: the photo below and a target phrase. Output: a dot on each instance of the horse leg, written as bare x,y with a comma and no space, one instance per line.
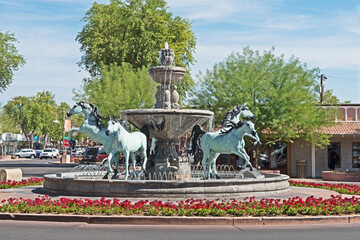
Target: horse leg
73,130
109,165
115,159
242,153
143,167
205,155
133,161
126,155
212,160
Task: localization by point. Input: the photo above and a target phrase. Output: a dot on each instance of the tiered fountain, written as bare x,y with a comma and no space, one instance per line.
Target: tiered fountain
167,123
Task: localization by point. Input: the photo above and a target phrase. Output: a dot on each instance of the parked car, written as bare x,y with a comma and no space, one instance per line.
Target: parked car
94,155
49,153
77,152
26,153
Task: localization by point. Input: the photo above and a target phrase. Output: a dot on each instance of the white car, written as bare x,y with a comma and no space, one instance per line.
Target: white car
26,153
49,153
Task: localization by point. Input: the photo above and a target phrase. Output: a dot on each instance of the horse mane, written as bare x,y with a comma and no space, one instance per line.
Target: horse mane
123,123
232,126
230,115
94,111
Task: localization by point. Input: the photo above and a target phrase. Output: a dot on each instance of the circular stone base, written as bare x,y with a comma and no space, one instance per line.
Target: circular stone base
66,184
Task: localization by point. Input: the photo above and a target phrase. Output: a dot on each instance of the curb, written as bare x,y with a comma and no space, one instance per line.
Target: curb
157,220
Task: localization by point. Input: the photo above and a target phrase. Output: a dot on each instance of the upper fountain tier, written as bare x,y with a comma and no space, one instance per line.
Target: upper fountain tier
166,74
167,122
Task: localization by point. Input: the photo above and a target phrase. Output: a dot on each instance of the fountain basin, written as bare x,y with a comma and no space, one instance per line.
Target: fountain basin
165,124
67,184
166,74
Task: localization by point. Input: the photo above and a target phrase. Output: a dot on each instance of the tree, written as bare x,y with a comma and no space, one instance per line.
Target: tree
119,88
20,109
133,31
10,59
45,108
280,93
7,125
33,115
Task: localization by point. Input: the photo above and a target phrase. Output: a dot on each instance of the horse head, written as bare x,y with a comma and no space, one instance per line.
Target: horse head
113,126
77,108
245,112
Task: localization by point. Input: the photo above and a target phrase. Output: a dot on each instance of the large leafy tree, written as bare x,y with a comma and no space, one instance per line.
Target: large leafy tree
133,31
119,88
7,125
10,59
20,109
34,115
47,110
281,93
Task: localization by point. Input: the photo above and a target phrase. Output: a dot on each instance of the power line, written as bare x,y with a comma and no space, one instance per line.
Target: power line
350,79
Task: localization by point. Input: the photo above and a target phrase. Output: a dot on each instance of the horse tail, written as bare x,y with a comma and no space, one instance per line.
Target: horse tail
195,140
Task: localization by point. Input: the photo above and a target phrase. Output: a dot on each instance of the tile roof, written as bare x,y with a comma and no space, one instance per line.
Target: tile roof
344,128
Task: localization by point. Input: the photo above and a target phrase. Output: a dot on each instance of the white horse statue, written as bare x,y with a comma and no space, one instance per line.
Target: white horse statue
94,129
128,144
230,142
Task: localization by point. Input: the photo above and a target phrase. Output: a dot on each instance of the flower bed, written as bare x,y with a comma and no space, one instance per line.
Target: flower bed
22,183
190,207
340,188
340,176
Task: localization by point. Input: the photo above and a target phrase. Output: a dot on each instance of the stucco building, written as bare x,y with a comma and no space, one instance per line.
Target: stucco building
344,148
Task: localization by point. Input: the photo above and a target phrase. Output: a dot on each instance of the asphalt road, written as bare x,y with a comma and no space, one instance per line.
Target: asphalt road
78,231
36,167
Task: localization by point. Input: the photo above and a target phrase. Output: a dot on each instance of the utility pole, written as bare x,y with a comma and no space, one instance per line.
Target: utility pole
322,78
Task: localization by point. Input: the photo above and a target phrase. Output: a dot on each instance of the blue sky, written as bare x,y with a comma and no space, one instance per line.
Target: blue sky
324,34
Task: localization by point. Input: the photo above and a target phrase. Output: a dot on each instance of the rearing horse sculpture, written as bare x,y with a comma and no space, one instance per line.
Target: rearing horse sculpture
232,142
239,112
94,129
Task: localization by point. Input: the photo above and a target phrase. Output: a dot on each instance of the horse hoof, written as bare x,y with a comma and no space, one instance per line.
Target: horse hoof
114,176
105,177
217,176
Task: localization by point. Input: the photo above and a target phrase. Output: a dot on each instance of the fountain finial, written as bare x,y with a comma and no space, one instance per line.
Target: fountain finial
166,55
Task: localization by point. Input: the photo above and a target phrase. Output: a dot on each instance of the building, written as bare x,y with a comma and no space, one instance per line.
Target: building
344,148
9,142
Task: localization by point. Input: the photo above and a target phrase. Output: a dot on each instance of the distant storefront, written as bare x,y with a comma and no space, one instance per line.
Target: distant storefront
343,152
9,143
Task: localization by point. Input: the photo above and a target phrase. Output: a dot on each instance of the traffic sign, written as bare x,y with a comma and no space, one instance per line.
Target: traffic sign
66,143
